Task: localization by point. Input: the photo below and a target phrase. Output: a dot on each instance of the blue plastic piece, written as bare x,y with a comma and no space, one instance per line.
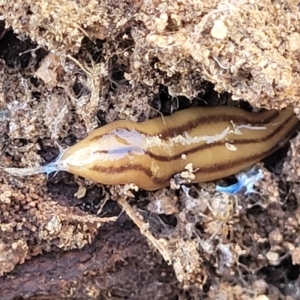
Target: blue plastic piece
246,180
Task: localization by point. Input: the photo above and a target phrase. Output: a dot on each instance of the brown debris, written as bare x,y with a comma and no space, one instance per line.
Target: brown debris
291,167
134,60
231,46
226,43
28,215
296,256
48,70
91,272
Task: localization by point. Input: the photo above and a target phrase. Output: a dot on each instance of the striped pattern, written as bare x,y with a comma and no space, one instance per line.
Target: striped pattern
204,121
213,161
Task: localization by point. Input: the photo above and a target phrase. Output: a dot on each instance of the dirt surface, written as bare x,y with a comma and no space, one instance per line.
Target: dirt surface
68,67
112,267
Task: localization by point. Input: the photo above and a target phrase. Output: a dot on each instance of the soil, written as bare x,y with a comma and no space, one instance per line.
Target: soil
64,237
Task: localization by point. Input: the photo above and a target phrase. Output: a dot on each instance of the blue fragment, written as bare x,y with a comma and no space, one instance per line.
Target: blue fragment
246,180
231,189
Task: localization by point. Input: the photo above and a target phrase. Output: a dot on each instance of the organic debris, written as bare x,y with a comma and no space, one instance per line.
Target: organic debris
67,67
